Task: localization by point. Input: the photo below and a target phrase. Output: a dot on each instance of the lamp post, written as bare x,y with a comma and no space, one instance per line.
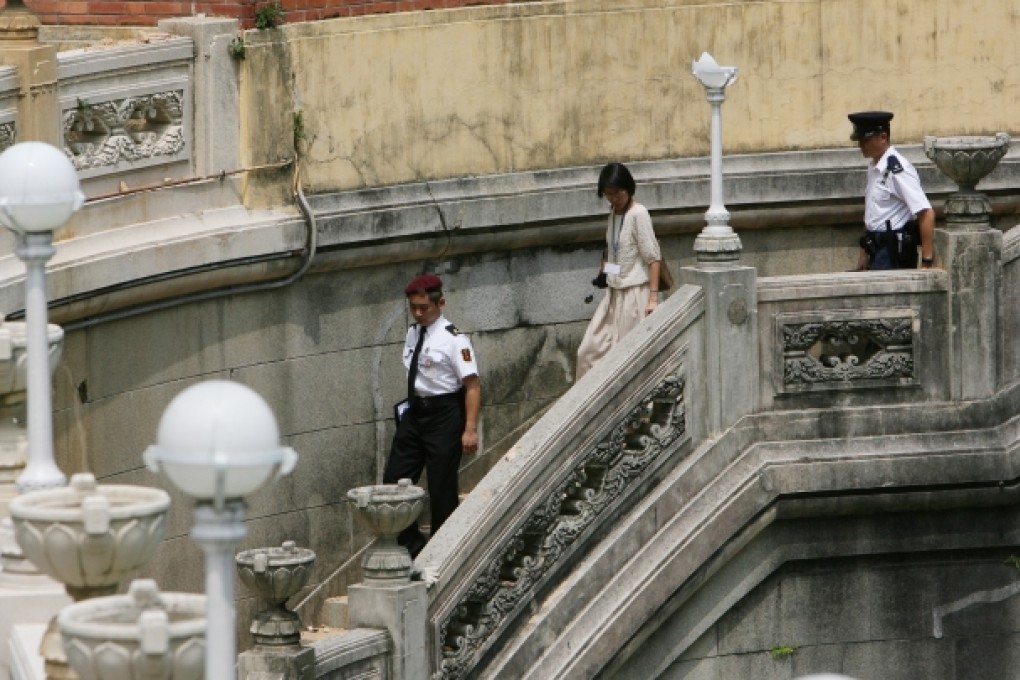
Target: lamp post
218,442
39,192
717,241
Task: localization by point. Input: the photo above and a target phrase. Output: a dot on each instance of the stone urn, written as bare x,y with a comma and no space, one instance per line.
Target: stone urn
276,575
143,635
384,511
89,537
966,161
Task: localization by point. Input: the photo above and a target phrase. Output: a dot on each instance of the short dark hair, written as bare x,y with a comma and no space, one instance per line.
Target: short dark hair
616,176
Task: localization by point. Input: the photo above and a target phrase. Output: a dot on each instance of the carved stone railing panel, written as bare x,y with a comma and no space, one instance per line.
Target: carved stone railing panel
627,448
127,108
841,349
8,107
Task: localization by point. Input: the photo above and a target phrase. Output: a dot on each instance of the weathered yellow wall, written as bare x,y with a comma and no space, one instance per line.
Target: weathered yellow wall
428,95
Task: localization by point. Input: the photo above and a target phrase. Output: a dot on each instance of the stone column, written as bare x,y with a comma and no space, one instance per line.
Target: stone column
731,340
217,119
387,598
399,609
276,575
38,108
970,250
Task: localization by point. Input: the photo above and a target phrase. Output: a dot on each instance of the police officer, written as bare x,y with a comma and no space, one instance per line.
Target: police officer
897,215
444,398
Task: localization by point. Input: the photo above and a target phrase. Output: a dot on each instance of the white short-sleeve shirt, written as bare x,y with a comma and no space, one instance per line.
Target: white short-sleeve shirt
446,358
893,193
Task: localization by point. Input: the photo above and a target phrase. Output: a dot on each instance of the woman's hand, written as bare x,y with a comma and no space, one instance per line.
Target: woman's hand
653,302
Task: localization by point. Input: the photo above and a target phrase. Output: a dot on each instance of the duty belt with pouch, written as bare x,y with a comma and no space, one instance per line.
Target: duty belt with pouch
902,243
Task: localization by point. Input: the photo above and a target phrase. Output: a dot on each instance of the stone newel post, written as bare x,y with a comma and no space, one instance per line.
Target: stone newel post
388,598
970,250
276,574
731,347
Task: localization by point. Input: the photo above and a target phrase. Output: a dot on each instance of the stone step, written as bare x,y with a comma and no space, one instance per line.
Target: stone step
335,612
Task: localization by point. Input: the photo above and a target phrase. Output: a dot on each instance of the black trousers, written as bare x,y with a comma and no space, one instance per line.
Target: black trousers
429,438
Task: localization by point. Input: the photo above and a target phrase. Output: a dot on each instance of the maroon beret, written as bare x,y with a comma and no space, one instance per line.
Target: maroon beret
426,283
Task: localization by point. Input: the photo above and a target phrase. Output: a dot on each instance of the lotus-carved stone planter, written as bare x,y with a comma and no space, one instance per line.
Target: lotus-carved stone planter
966,161
385,510
89,537
276,574
143,635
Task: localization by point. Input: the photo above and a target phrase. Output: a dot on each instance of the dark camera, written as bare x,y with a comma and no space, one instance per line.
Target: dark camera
600,281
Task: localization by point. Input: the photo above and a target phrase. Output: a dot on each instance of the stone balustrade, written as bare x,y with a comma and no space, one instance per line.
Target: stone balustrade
122,108
127,108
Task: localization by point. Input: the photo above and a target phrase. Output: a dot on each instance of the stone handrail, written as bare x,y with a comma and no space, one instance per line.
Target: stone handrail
587,459
831,349
359,653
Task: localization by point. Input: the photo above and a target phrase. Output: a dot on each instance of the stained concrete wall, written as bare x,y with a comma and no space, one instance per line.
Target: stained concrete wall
325,354
872,616
489,90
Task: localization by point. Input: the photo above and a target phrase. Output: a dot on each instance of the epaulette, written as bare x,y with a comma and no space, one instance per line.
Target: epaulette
893,165
452,330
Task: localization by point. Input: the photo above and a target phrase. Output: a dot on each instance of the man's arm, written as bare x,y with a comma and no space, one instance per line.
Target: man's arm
472,405
926,223
862,261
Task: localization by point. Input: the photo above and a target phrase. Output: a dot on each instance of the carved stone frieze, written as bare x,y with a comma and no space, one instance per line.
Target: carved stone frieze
839,350
8,135
572,506
127,130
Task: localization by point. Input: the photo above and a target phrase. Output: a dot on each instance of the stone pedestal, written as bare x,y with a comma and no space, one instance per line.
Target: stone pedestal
974,262
38,107
22,650
401,610
388,599
971,251
217,86
731,349
283,663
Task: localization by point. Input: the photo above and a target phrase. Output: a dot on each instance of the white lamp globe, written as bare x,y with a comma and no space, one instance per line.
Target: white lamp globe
710,74
39,188
218,440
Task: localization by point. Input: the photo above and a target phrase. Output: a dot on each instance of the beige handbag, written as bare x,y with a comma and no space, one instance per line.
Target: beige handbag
665,276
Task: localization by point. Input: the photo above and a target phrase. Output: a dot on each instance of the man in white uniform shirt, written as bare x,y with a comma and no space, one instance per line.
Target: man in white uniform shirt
897,215
444,398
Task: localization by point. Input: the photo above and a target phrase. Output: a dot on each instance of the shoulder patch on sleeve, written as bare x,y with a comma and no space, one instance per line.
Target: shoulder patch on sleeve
452,330
893,165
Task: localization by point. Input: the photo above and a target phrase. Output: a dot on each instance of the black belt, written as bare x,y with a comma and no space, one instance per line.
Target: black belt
436,400
886,230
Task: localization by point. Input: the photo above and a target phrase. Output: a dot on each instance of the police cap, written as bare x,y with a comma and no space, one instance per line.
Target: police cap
426,283
867,123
